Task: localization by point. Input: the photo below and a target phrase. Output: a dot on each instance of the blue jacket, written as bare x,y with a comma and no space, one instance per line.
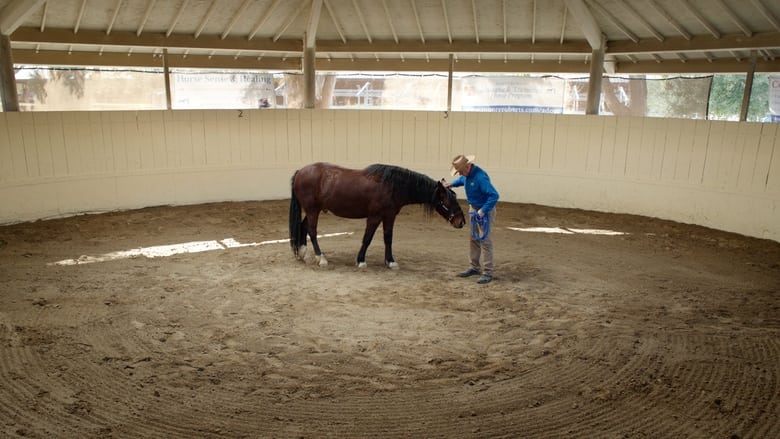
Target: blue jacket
480,192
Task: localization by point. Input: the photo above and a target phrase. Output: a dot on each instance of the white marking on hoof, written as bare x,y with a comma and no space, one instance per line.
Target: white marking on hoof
302,252
362,265
393,266
323,261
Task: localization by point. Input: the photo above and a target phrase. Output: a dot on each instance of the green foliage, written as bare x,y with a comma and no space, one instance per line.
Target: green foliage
727,92
678,97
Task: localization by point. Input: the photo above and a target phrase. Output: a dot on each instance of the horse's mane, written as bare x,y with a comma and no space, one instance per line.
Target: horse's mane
406,183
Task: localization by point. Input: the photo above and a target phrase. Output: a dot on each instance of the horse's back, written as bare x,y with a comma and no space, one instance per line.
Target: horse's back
352,193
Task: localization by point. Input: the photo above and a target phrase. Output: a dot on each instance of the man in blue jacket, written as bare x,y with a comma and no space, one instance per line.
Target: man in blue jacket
482,197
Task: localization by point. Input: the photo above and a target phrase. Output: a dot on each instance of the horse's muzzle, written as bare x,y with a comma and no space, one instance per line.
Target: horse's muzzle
458,221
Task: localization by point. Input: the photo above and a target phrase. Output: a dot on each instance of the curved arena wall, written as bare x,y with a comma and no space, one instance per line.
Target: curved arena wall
724,175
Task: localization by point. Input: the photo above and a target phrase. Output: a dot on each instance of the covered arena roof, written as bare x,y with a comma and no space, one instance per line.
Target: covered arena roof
639,36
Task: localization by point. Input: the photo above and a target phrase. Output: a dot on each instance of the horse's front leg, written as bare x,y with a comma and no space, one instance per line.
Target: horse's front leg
387,228
368,235
311,226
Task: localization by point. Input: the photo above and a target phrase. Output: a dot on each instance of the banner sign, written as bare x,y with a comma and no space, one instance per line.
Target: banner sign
512,94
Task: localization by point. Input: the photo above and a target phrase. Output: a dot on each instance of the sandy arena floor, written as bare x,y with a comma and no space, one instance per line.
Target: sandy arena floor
665,331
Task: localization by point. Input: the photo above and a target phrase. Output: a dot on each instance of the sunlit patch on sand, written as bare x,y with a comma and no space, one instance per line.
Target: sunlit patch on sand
158,251
567,231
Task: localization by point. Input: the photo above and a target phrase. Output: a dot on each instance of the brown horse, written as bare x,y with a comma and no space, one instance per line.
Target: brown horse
376,193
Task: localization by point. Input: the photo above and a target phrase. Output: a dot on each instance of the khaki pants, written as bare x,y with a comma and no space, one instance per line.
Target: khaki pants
482,249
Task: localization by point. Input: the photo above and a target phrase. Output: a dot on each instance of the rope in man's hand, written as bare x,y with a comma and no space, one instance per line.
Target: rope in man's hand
479,223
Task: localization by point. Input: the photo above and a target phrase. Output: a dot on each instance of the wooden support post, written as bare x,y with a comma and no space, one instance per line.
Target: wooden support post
596,76
449,84
309,76
10,97
748,86
167,74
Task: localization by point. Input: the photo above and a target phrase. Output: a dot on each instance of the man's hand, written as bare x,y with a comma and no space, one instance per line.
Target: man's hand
445,183
480,213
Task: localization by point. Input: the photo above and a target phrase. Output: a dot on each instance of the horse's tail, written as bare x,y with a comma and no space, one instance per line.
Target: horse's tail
297,234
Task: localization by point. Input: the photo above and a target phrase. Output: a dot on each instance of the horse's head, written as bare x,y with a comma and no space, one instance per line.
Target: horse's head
446,204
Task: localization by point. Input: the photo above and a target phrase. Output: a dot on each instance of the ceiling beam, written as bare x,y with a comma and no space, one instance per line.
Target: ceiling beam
586,21
155,40
724,65
458,46
122,59
14,13
696,44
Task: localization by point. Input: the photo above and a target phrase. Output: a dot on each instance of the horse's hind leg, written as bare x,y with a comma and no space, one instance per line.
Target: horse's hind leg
311,226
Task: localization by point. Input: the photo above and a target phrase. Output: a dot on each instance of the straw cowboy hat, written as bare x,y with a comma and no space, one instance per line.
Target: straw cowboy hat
460,162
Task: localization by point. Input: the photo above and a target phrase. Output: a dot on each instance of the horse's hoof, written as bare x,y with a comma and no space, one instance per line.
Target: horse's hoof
393,265
302,252
362,265
323,262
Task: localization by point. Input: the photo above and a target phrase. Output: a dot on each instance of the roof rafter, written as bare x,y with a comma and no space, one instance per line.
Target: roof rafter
586,21
734,18
703,21
14,14
265,17
290,19
43,16
446,19
147,14
80,16
766,13
417,19
239,12
177,18
474,15
563,22
390,20
611,18
638,17
113,17
314,21
362,20
206,18
335,21
533,21
503,15
674,23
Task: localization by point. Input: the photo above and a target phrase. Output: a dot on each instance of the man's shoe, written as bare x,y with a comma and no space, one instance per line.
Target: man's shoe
469,272
485,278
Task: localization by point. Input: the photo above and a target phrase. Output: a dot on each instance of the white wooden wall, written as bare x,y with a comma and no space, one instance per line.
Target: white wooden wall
724,175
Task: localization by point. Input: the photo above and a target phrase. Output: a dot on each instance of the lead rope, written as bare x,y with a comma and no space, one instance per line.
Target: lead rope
478,223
